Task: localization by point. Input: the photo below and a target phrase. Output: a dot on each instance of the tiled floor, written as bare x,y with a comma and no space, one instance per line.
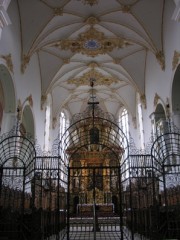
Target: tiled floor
109,229
100,235
104,235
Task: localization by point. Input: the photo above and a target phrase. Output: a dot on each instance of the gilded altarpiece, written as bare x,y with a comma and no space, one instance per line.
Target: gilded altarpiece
94,173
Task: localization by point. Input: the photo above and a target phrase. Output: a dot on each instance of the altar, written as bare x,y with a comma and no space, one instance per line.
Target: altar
103,209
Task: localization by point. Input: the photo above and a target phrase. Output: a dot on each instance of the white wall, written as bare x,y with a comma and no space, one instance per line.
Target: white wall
157,80
29,82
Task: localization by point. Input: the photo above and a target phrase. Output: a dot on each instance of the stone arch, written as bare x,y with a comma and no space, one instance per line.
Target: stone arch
176,97
160,119
27,124
159,112
1,113
74,139
7,99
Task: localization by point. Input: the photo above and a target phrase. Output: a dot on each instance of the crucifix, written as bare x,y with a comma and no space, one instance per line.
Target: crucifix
94,132
93,103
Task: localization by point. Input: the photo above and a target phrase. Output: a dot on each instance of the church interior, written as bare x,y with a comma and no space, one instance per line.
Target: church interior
89,119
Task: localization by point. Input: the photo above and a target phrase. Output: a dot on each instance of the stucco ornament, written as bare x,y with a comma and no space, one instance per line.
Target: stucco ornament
9,63
92,43
176,58
100,79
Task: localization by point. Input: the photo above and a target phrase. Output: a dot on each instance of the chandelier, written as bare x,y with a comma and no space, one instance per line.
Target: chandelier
90,2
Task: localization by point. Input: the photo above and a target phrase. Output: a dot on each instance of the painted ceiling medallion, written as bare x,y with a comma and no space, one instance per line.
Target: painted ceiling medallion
99,78
90,2
92,43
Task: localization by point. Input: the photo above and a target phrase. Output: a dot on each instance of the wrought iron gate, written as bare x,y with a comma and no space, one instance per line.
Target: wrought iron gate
94,147
128,198
151,190
17,155
32,191
94,203
166,166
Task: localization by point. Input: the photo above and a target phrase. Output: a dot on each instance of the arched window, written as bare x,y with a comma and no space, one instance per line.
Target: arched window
27,124
47,124
124,122
140,121
7,100
161,124
63,125
124,126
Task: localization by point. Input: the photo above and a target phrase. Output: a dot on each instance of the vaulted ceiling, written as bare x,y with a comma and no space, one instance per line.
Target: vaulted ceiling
77,42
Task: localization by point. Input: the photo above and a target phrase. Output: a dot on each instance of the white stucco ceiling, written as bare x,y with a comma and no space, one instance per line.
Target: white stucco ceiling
47,23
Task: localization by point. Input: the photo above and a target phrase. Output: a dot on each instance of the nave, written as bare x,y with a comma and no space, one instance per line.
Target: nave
133,196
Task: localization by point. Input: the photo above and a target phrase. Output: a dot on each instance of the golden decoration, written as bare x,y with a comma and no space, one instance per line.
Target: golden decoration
156,98
30,100
117,60
143,100
161,59
8,60
92,21
43,100
93,65
175,59
25,61
100,79
66,60
58,11
92,43
126,8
